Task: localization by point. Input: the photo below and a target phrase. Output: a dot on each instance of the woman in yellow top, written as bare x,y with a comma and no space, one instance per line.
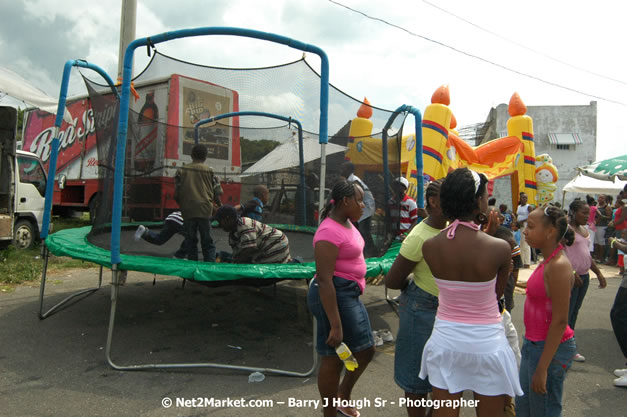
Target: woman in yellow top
418,303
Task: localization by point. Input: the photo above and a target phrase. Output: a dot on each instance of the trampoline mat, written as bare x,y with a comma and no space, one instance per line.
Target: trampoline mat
300,243
74,243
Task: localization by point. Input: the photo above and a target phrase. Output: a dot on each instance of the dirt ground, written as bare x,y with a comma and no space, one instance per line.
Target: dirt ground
57,367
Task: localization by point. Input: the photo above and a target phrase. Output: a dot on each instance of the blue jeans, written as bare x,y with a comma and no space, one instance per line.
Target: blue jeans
169,229
576,299
416,314
549,404
353,315
202,226
618,315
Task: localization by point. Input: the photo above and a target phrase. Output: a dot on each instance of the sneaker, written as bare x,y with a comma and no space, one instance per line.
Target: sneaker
141,229
620,372
386,335
621,382
579,358
378,341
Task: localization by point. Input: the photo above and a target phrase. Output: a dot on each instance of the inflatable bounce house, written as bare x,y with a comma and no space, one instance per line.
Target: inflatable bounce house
443,150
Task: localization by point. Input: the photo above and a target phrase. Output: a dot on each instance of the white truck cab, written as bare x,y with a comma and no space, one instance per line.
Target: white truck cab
22,187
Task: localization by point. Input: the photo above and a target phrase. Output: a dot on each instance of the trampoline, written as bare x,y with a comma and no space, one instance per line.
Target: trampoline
74,243
109,242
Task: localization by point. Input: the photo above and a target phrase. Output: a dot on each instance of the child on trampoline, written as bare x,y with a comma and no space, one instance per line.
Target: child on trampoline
253,209
172,225
333,297
468,349
252,241
196,191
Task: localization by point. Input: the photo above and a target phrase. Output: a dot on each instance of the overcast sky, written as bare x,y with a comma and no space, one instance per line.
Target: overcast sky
367,57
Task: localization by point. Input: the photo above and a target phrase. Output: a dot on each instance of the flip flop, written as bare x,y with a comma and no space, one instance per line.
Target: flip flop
344,411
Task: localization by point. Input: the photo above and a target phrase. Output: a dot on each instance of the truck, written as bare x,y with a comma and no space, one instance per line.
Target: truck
165,112
22,187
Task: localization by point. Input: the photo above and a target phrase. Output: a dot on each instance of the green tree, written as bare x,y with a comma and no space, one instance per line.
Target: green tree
254,150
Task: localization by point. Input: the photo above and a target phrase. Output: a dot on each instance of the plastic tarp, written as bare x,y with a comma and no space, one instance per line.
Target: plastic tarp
74,243
589,185
17,87
286,155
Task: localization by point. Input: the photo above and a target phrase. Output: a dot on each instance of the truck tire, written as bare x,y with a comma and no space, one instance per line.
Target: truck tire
24,234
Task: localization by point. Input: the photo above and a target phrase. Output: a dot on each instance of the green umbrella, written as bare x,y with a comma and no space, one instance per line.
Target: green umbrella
607,169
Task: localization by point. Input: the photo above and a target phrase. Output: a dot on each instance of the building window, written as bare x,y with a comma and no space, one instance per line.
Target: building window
563,147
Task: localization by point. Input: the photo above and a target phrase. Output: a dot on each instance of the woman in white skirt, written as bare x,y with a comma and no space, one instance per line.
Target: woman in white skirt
468,349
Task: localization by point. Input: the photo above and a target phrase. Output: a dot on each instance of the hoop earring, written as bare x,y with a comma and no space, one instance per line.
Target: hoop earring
481,218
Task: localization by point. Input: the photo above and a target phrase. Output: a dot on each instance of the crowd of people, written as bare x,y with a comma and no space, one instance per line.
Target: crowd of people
456,271
457,268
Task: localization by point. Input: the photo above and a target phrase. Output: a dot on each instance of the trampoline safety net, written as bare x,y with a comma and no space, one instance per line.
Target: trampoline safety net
245,152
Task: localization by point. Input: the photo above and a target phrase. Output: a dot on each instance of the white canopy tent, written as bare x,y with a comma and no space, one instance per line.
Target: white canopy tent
17,87
286,155
589,185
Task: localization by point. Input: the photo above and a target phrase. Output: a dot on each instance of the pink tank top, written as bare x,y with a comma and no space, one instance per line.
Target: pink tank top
538,307
467,302
579,254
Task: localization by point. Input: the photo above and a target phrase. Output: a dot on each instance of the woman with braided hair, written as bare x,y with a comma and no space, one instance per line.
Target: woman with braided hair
549,344
418,302
333,297
468,349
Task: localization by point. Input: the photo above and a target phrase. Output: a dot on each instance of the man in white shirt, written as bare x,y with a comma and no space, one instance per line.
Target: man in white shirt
347,171
522,213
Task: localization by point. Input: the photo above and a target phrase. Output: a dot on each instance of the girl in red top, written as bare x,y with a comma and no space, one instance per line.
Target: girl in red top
548,345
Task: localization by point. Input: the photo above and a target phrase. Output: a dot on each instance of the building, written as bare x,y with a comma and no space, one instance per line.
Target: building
567,133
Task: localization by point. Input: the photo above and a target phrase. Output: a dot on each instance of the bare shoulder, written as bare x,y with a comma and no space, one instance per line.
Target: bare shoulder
559,267
498,246
430,245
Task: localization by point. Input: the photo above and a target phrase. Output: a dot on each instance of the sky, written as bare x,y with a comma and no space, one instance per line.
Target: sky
575,44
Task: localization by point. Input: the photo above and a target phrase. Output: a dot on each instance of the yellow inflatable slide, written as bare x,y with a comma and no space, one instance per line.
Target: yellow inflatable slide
444,150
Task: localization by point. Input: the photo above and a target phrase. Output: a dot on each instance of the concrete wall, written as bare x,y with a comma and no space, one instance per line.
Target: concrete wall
554,119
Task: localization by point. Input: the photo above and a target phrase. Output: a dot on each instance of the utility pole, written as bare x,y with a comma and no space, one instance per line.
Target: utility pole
127,30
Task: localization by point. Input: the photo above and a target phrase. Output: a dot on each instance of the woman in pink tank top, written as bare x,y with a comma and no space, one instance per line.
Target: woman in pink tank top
468,349
548,345
581,260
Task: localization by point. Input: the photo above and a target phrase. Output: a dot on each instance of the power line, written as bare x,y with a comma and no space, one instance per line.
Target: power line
487,61
520,45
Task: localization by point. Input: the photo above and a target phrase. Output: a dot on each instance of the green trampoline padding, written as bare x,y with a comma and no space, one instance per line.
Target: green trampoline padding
74,243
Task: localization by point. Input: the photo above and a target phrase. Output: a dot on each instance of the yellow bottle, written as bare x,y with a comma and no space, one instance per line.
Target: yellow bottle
347,356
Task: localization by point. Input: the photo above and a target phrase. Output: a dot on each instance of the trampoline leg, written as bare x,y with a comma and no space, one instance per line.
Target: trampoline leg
42,288
42,285
392,302
115,288
148,366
